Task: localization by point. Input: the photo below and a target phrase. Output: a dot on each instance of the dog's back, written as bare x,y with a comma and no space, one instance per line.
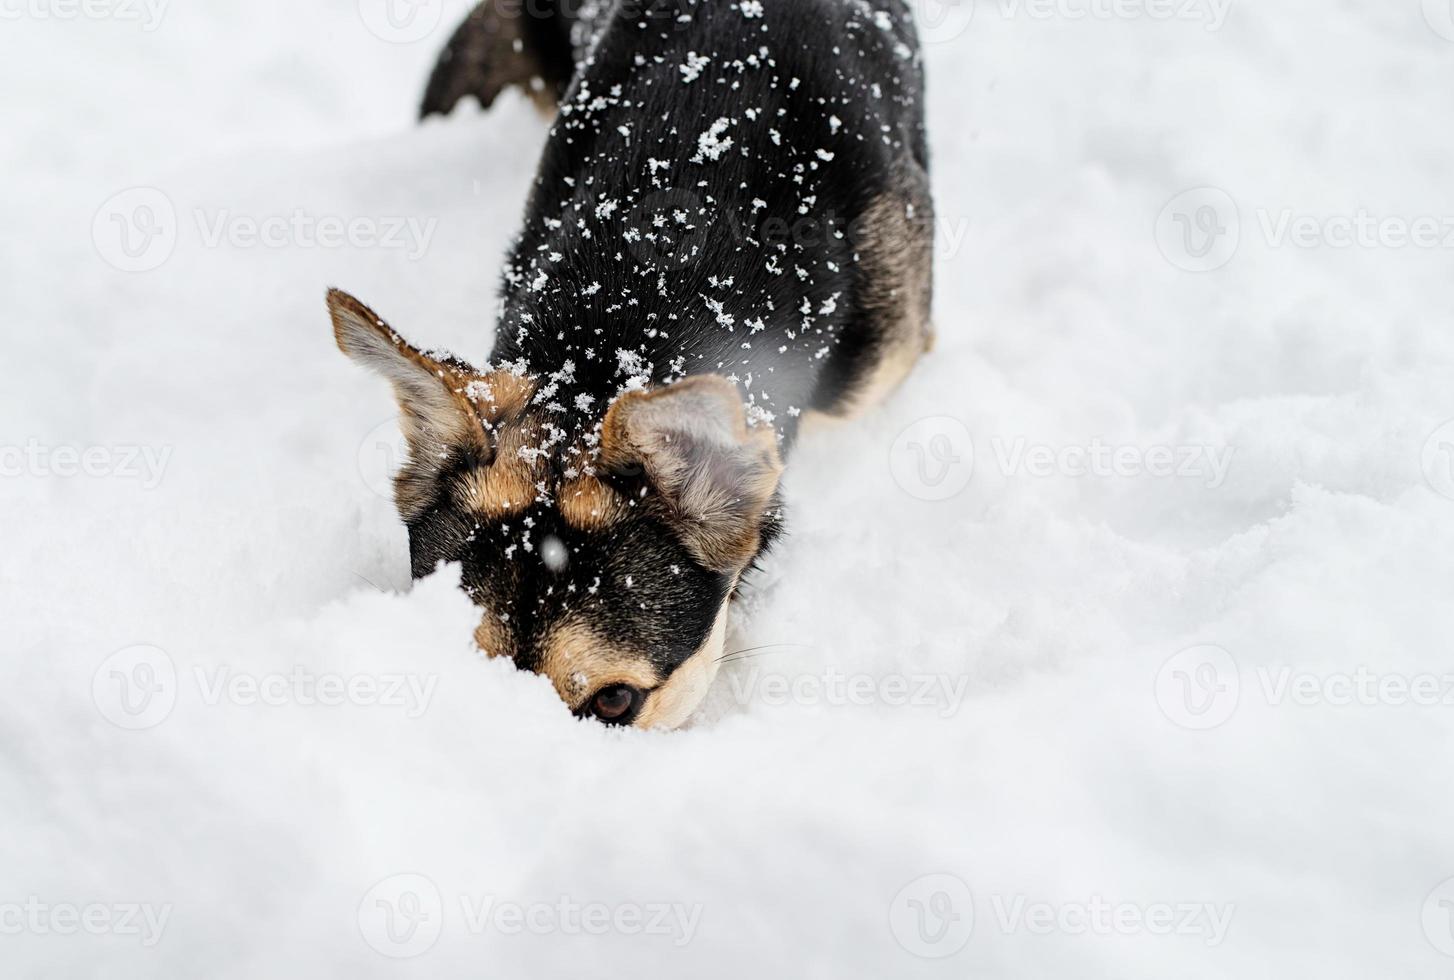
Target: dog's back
731,186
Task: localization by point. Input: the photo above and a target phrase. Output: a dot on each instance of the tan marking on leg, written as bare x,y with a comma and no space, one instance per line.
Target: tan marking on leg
590,505
893,367
896,254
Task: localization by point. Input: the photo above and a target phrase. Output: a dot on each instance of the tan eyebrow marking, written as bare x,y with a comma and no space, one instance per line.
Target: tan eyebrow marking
590,505
510,484
500,490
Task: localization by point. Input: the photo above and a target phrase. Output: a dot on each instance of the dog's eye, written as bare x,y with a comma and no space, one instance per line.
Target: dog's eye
616,705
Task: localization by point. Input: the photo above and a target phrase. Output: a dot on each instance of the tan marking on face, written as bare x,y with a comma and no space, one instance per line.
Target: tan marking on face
579,664
674,702
503,489
501,395
590,505
493,639
510,484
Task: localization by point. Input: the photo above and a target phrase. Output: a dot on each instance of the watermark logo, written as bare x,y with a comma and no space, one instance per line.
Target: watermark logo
1439,15
1207,464
135,688
936,25
1438,460
1202,230
1199,688
942,693
401,21
402,916
1438,918
1199,230
933,459
138,688
942,21
381,456
136,230
933,917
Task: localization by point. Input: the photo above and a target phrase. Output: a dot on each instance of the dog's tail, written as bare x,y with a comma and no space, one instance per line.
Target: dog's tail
503,43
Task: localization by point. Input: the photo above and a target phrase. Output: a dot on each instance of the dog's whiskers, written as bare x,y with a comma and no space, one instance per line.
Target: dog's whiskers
762,651
370,582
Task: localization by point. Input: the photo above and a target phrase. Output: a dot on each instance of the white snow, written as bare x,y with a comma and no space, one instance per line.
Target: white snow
974,672
714,142
694,66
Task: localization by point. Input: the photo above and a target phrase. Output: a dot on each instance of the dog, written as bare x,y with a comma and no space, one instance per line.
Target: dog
730,231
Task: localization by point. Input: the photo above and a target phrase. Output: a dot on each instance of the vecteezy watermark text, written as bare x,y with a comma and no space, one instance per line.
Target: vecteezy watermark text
1202,687
935,458
1099,916
935,916
404,915
148,13
144,464
299,229
944,693
1202,230
38,918
138,688
308,688
138,230
1208,464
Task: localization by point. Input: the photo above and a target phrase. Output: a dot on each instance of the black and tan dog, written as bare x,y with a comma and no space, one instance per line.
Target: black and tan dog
730,229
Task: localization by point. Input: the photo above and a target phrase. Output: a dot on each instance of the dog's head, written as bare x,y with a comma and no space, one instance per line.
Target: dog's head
602,558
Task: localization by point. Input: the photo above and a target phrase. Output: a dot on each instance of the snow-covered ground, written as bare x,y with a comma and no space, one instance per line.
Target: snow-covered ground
1118,644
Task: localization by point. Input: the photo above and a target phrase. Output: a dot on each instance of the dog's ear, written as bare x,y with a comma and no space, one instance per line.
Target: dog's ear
716,475
434,404
436,412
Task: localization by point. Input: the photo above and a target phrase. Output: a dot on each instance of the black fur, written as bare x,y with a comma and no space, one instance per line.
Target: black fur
688,217
654,293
